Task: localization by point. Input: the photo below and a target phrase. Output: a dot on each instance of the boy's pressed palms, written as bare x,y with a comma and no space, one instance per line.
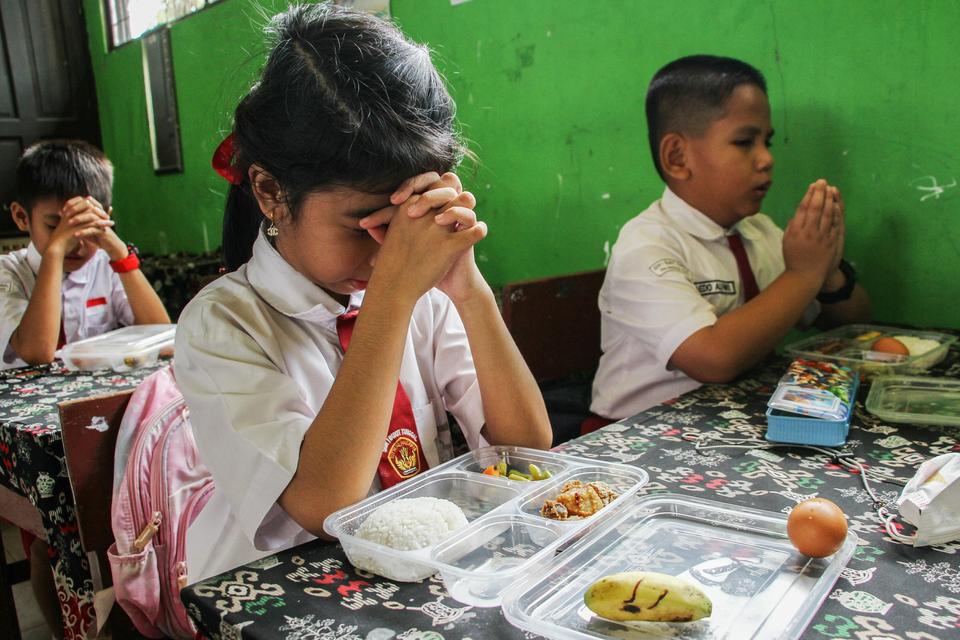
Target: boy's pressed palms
811,237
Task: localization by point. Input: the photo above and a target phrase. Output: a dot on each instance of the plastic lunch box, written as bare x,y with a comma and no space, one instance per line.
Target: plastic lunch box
505,536
761,587
843,346
915,399
121,350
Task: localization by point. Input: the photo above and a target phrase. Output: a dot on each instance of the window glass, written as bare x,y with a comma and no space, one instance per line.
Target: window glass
129,19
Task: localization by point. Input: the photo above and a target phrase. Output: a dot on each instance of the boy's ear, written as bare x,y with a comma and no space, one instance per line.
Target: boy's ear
266,190
20,216
674,150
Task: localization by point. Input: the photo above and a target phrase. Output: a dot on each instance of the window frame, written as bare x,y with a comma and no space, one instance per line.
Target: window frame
123,25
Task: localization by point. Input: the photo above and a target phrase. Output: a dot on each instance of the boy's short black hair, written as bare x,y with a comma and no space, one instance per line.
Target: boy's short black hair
65,169
689,93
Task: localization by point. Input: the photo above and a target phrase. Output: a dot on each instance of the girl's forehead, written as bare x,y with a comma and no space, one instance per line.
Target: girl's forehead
346,202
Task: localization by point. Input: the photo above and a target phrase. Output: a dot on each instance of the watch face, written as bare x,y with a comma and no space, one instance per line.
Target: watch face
134,249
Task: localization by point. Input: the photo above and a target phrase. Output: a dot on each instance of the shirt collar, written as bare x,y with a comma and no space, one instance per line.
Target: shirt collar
33,258
289,291
697,223
80,276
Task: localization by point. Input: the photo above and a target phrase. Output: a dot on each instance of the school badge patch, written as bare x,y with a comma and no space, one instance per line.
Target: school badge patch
403,453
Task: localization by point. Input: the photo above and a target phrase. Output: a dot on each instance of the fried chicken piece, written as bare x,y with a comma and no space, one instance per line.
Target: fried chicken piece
578,500
553,510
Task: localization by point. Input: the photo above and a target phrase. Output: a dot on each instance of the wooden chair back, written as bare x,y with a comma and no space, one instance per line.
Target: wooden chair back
556,323
89,427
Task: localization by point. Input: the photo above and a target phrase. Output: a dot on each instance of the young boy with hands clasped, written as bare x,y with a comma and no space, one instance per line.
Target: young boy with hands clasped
77,278
700,286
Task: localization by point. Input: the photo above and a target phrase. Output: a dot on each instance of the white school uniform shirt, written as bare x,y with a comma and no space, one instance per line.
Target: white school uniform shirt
93,299
671,273
257,352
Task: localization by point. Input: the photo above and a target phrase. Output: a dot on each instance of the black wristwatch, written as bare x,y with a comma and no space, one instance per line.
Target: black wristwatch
844,292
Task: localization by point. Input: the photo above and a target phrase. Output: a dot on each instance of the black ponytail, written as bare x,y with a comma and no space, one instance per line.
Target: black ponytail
345,100
241,223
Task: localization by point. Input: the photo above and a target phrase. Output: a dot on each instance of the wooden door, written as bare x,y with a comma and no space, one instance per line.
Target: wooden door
46,84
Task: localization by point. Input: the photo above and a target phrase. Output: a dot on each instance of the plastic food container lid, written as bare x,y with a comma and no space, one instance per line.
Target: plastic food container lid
850,345
120,349
761,587
915,399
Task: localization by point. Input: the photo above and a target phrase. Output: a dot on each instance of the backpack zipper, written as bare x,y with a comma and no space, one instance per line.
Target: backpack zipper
194,505
149,529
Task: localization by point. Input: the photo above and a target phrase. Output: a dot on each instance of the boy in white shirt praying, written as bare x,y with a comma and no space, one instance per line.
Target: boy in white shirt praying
700,286
75,280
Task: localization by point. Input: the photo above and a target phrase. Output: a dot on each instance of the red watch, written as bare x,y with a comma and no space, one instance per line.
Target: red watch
131,262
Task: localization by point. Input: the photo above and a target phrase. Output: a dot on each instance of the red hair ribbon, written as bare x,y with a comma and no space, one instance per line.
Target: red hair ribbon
223,162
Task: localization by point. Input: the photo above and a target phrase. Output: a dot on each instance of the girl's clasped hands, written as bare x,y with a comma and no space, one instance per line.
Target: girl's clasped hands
428,233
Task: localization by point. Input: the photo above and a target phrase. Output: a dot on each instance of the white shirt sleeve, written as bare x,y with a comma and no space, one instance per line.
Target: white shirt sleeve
249,419
650,295
454,371
13,304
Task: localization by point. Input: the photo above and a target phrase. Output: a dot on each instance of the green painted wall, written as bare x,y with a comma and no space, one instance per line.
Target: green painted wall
550,95
216,54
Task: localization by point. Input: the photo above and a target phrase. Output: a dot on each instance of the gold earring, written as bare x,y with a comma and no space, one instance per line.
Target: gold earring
272,230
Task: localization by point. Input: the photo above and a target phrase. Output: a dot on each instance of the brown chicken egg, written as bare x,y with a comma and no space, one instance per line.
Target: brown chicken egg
817,527
890,345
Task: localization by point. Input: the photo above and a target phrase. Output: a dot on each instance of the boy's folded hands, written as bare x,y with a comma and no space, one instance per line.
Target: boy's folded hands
79,220
813,239
841,237
92,223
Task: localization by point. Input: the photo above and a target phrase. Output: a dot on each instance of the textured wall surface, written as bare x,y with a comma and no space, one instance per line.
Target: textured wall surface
550,96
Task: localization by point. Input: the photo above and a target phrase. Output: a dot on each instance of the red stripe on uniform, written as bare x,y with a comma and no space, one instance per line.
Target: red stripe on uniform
96,302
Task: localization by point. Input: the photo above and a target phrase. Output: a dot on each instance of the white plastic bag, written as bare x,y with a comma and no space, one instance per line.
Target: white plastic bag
931,501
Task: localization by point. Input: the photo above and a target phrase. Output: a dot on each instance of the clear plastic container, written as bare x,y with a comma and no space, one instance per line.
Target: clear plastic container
850,345
915,400
505,536
759,584
121,349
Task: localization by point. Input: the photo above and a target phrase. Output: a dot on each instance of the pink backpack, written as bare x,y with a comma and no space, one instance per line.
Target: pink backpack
159,488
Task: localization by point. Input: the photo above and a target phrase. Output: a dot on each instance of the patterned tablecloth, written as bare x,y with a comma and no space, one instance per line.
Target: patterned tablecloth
888,591
32,464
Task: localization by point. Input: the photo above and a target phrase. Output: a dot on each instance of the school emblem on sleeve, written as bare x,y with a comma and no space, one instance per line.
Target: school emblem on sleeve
403,453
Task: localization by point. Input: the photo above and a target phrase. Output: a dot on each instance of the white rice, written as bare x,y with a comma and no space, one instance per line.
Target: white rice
405,525
412,523
917,346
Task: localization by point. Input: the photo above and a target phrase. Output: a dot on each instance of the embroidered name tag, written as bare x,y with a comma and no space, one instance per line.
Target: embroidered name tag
707,287
96,302
666,265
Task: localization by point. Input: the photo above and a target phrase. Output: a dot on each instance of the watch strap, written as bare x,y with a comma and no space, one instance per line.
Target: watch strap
130,263
844,292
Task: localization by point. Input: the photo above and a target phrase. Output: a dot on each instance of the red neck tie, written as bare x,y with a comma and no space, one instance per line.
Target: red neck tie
747,281
62,338
402,456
